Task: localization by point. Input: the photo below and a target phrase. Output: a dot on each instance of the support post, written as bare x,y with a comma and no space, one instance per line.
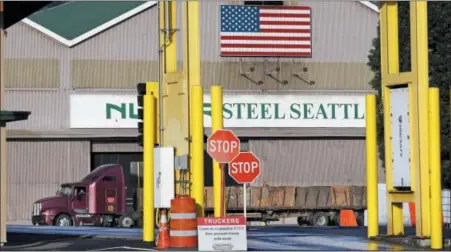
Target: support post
197,148
217,124
435,167
3,153
148,160
420,69
191,70
174,94
167,13
371,167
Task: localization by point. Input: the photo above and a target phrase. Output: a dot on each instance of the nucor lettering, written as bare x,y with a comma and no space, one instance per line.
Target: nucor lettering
244,167
223,146
219,221
122,108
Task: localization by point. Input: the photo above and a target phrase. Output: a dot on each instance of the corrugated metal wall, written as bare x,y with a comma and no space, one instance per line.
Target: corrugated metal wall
311,162
127,53
37,168
109,146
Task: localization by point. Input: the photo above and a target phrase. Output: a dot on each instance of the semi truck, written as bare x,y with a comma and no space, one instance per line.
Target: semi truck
99,199
111,197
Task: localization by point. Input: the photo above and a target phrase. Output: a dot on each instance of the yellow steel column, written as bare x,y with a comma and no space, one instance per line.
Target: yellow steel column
149,133
191,39
217,124
175,95
420,67
389,65
197,148
168,35
371,167
191,70
435,167
396,209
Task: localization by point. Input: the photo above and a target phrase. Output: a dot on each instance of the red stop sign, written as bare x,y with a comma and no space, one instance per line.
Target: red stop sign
245,168
223,146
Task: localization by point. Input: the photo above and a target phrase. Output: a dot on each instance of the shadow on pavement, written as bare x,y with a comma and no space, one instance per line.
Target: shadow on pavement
46,242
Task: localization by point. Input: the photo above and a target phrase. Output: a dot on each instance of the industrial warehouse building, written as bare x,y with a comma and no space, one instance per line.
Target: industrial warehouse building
78,77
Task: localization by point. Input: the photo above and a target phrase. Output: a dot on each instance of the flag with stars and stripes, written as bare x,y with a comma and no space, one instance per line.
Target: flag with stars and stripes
273,31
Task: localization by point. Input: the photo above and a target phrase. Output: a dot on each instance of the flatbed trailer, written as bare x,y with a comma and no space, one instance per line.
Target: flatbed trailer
314,205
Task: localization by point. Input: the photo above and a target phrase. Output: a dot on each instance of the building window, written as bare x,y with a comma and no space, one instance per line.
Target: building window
263,2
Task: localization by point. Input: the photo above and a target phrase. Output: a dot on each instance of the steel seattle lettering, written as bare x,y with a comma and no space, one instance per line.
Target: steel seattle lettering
274,111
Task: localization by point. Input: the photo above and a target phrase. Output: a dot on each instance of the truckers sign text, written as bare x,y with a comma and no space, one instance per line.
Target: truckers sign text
222,233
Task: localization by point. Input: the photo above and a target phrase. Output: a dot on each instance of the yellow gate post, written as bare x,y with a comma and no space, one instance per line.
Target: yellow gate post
371,167
435,167
217,124
416,82
197,148
191,70
148,171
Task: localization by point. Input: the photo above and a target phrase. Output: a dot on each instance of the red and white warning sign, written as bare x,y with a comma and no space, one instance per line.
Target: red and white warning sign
222,233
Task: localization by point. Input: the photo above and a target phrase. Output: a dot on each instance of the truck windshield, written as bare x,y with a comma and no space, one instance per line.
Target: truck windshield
65,190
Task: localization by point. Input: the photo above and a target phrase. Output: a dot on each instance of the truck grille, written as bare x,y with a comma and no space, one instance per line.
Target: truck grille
37,209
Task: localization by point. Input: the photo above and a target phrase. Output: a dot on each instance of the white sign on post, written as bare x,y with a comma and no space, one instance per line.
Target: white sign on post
222,233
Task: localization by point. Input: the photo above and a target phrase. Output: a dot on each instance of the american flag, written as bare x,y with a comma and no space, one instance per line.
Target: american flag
266,31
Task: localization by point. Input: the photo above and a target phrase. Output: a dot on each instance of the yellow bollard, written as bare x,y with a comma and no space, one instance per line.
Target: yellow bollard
217,124
197,148
434,166
148,173
371,166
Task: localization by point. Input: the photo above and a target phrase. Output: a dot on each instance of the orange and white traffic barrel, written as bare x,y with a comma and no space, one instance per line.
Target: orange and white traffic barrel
183,223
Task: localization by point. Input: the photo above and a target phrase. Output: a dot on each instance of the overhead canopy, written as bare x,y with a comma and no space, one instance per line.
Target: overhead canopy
14,11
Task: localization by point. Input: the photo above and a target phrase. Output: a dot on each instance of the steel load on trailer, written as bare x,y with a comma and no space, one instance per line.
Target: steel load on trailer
314,205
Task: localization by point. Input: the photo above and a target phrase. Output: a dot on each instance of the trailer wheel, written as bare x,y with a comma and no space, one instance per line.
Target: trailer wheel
126,221
320,219
63,220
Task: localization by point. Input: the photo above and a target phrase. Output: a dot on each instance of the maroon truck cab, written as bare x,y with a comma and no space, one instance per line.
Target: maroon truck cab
99,199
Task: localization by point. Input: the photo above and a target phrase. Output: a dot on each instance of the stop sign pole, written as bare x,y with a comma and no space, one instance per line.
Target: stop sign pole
244,168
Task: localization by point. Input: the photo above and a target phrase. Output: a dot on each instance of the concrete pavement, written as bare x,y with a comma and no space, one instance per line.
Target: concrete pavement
271,238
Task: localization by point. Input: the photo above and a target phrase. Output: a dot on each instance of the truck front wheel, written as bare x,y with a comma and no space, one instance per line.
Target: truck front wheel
63,220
